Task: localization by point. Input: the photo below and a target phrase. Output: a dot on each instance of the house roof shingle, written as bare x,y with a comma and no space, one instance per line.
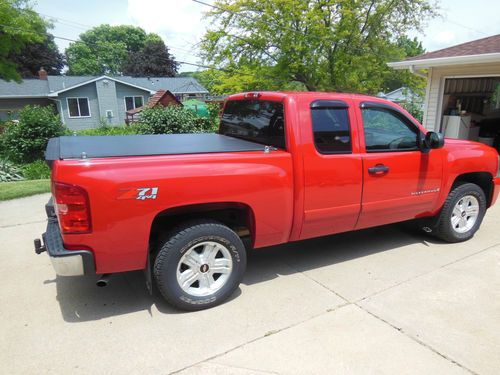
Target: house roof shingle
27,88
482,46
42,88
57,83
174,85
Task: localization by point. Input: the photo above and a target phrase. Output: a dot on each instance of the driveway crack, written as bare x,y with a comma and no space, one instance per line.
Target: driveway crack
20,224
417,340
267,334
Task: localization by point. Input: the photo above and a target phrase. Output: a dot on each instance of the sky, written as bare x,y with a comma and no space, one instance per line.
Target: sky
181,25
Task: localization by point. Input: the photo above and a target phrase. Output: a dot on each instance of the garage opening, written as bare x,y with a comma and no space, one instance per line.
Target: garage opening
471,109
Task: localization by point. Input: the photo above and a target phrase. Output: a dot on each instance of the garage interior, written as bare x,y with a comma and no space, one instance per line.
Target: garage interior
471,109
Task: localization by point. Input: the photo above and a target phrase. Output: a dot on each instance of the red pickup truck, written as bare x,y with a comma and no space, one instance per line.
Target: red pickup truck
187,208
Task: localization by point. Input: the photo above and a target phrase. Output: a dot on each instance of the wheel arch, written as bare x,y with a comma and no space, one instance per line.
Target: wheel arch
237,216
483,179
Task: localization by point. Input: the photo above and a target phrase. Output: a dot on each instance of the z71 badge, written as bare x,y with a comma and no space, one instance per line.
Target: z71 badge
139,193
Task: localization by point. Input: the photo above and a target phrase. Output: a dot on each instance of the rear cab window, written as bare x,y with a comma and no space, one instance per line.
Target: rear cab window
259,121
331,127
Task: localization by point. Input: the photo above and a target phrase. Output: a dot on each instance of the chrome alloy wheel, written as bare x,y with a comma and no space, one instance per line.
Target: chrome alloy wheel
204,268
465,214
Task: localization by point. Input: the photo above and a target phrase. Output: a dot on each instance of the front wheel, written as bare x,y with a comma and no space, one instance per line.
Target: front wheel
200,265
462,213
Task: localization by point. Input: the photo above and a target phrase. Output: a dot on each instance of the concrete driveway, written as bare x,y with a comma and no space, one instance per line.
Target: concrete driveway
382,300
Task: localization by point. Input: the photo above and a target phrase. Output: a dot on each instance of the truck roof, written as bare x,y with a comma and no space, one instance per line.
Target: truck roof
316,94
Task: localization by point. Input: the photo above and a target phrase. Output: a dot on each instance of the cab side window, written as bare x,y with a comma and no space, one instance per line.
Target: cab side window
386,130
331,130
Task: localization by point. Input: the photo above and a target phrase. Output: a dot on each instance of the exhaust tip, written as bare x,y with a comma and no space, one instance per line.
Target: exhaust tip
427,230
103,281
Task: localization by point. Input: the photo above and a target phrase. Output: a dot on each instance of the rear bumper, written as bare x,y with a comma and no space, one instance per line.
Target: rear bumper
496,190
65,262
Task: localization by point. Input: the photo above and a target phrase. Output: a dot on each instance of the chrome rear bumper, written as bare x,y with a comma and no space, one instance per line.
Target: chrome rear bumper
65,262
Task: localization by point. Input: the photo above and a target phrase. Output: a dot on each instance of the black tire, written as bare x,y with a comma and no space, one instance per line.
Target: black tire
172,250
444,228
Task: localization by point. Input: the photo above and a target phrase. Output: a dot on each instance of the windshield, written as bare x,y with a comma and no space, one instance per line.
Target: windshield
259,121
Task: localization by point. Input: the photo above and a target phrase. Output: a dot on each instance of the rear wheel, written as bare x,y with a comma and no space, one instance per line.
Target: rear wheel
462,213
200,265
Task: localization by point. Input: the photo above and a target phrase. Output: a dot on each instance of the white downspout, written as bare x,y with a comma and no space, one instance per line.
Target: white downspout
416,72
60,109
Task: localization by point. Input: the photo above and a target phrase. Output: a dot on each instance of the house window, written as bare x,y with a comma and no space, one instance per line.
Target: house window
78,107
133,102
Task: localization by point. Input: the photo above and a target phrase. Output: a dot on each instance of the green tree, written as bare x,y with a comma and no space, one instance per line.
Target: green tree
105,49
34,56
151,60
341,45
394,79
19,26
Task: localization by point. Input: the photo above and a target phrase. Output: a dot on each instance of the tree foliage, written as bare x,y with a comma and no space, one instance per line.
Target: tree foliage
20,26
105,49
340,45
394,79
152,60
34,56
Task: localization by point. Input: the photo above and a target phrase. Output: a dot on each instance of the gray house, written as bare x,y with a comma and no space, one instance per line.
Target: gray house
84,101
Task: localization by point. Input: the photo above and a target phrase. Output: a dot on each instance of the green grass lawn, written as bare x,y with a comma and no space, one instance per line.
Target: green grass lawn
18,189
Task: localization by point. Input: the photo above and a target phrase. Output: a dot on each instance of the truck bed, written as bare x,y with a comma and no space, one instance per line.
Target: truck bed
76,147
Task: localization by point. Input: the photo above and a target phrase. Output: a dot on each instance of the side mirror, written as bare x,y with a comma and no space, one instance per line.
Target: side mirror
433,140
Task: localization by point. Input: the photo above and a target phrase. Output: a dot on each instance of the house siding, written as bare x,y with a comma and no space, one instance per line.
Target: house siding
106,96
86,91
434,97
121,92
10,107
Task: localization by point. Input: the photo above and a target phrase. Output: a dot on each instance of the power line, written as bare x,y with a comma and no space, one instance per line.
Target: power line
298,32
84,27
97,45
465,27
240,14
93,44
66,22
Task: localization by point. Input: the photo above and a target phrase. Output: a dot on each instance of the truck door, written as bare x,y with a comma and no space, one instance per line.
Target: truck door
332,168
401,182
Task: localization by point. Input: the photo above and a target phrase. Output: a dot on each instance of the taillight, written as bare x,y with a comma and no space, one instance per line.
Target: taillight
72,208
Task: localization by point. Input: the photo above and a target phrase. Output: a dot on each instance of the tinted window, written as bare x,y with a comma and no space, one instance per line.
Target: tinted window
258,121
331,130
385,130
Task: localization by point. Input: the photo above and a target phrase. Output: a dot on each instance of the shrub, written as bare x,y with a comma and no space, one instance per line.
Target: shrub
214,111
26,140
109,130
38,170
172,119
9,171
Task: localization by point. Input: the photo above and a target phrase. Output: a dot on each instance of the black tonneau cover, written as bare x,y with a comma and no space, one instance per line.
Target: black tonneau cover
76,147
